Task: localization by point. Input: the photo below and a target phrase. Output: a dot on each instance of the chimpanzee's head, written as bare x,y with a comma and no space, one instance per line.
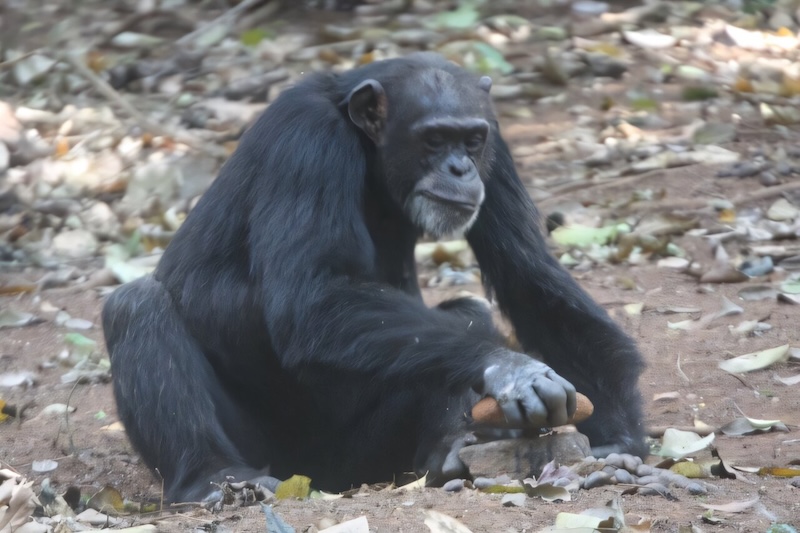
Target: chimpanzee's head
431,128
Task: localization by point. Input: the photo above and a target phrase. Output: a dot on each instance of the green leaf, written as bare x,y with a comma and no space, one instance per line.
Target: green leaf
80,346
791,286
464,17
698,94
296,487
584,236
253,36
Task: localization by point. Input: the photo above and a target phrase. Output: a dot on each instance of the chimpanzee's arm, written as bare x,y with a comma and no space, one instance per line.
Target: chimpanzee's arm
550,312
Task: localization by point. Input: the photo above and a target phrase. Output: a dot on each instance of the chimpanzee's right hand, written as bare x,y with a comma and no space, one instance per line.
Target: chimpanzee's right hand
529,392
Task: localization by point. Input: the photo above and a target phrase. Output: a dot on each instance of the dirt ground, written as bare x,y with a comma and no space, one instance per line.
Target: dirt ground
92,451
91,455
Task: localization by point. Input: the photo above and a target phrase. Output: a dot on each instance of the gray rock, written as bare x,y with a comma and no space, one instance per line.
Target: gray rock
417,37
631,462
645,480
101,220
454,485
483,482
513,500
654,489
644,470
75,244
604,65
696,489
159,179
5,157
769,179
614,459
521,458
610,470
597,479
781,19
624,477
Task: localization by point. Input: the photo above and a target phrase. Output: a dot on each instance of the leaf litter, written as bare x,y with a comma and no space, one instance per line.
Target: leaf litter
637,147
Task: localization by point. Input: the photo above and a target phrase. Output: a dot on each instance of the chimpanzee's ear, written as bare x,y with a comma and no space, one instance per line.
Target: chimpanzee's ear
367,106
485,83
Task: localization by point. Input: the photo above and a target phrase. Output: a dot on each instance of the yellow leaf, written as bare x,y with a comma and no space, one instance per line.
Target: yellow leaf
107,500
62,147
298,487
3,415
743,85
727,216
779,472
415,485
689,469
503,489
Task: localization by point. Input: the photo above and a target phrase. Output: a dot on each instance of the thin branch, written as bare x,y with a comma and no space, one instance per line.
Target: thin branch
569,188
12,62
699,203
228,18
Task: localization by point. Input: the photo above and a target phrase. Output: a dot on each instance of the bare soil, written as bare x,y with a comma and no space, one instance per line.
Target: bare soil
91,454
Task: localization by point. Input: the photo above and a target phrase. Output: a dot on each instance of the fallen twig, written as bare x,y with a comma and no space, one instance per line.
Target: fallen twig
228,18
12,62
569,188
699,203
135,19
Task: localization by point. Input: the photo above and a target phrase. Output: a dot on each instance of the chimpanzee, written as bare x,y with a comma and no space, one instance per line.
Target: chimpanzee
284,332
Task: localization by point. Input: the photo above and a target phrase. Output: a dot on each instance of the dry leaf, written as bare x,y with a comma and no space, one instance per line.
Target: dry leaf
755,361
793,380
415,485
679,444
732,507
674,395
441,523
357,525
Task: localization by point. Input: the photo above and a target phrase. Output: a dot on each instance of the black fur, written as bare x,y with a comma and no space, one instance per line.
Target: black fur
283,331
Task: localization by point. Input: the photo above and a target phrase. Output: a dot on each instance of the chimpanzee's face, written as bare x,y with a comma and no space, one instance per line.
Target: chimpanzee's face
431,133
446,188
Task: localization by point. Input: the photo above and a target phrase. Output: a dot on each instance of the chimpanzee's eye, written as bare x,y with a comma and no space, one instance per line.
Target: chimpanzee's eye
475,142
434,140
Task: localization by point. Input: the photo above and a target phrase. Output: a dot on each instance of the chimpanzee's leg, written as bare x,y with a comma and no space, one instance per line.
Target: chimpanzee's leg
177,413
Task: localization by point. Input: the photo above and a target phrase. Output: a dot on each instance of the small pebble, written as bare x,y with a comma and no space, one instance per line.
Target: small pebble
667,478
644,470
696,489
513,500
610,470
624,477
768,179
783,168
654,489
454,485
44,465
483,482
614,459
631,462
597,479
680,481
644,480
